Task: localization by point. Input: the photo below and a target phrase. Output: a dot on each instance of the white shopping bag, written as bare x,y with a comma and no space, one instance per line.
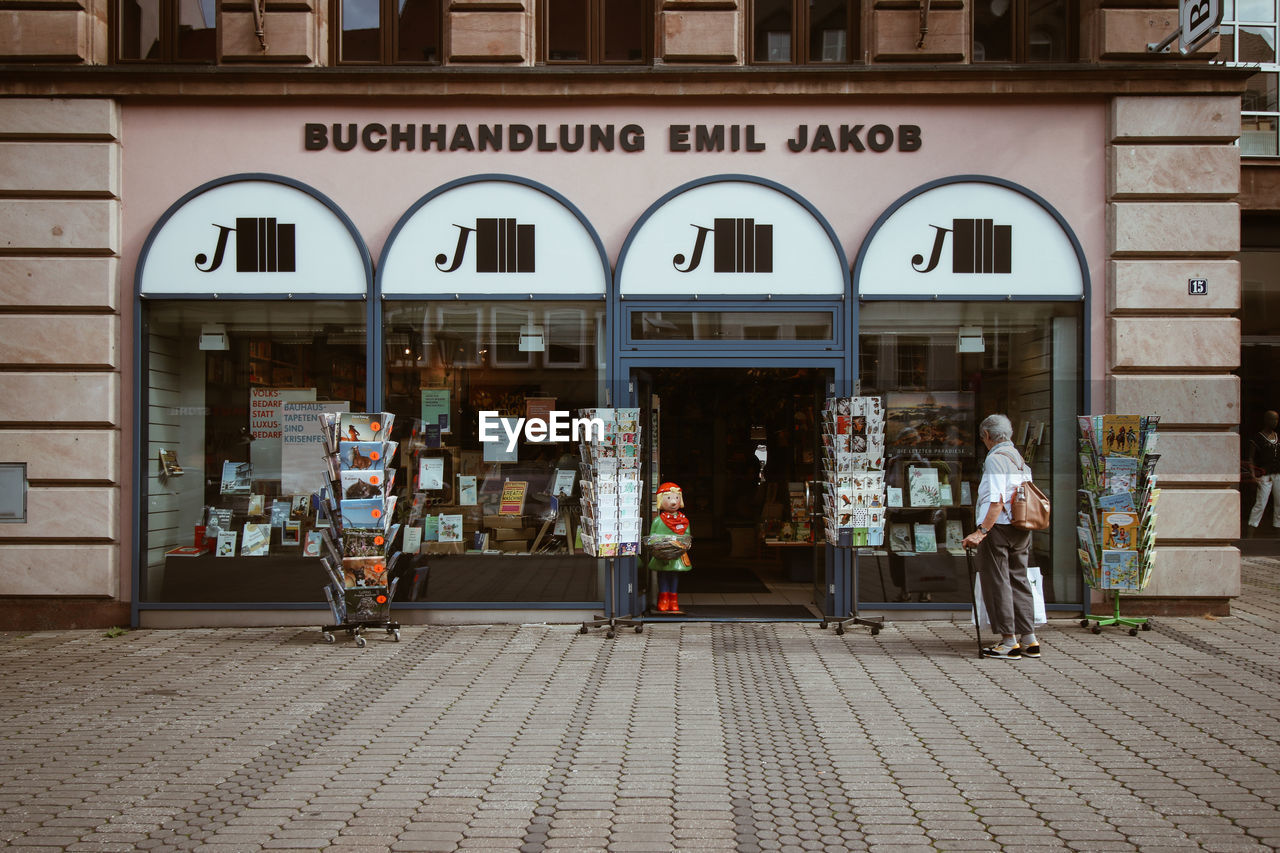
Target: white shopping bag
1038,616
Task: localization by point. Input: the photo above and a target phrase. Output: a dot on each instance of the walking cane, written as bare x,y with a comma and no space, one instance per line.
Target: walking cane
973,599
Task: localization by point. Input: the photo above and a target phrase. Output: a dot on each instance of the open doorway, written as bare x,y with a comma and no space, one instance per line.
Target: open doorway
743,445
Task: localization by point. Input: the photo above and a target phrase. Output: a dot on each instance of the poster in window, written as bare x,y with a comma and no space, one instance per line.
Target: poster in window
929,424
435,408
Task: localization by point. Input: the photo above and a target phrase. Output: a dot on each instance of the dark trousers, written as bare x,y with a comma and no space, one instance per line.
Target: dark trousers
1002,564
668,581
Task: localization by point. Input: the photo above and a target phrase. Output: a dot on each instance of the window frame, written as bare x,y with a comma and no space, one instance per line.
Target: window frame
167,36
1021,27
596,36
1229,30
800,22
388,37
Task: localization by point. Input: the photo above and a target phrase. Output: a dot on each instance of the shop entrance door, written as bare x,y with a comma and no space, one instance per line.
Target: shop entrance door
744,445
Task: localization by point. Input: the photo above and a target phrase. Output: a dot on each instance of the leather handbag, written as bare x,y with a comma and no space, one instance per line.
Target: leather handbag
1029,509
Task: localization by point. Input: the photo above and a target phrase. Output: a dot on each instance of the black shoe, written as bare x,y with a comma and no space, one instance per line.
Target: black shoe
1031,651
1000,650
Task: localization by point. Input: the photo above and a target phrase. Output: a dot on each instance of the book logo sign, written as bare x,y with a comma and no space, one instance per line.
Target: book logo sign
502,246
262,245
977,246
738,245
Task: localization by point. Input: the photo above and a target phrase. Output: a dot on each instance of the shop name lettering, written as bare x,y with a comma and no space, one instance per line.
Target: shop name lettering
560,426
628,138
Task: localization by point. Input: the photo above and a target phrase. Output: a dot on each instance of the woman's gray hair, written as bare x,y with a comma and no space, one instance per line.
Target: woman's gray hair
997,427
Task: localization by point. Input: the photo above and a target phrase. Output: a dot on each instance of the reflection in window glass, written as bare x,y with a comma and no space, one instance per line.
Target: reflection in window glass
1226,44
1260,93
197,30
828,31
361,31
993,31
215,376
140,29
935,395
623,30
418,31
567,39
458,360
1252,10
1258,135
1258,44
772,28
1047,31
731,325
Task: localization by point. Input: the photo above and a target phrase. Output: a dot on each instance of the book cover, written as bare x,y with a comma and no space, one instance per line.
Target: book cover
362,455
450,528
1120,570
900,538
431,473
955,536
562,486
364,571
187,551
226,544
300,506
291,534
1086,432
368,514
364,543
361,426
314,543
1120,435
1119,531
1120,502
169,466
466,490
237,478
513,495
1120,474
257,505
1088,473
894,496
922,486
926,539
435,408
361,485
256,540
413,539
279,513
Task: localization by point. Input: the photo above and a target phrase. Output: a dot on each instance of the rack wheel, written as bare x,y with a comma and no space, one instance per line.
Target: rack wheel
582,630
395,634
1133,632
839,630
328,638
1084,623
610,634
875,629
1097,629
359,641
1146,626
823,625
639,629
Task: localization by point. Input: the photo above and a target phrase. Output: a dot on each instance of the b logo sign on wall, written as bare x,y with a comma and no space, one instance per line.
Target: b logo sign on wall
966,237
492,234
731,235
254,235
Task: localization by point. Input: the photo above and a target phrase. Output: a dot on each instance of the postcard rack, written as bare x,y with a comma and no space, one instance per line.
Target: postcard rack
853,499
1116,520
358,505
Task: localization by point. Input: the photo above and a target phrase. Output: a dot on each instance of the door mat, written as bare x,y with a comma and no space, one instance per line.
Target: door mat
722,578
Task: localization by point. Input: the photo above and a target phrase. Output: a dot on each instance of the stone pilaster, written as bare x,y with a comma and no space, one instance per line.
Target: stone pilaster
61,345
489,32
1172,183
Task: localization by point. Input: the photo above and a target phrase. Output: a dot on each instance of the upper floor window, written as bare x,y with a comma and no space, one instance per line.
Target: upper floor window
1248,37
167,30
389,31
803,31
1023,30
596,32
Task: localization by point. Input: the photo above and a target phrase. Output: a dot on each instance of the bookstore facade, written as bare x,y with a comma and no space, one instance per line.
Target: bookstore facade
721,271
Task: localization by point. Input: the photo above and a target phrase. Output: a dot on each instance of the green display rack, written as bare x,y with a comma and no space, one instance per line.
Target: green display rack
1116,511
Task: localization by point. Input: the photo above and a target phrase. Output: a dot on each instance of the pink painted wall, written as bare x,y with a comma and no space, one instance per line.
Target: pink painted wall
1056,149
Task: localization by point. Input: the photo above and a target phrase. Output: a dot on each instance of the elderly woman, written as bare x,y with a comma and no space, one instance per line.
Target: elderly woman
1003,550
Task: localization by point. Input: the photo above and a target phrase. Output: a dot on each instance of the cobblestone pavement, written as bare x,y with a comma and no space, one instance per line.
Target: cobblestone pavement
701,736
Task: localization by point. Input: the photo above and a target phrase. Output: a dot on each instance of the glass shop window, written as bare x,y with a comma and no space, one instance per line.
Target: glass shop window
596,32
941,369
1024,31
812,31
452,367
389,32
231,452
